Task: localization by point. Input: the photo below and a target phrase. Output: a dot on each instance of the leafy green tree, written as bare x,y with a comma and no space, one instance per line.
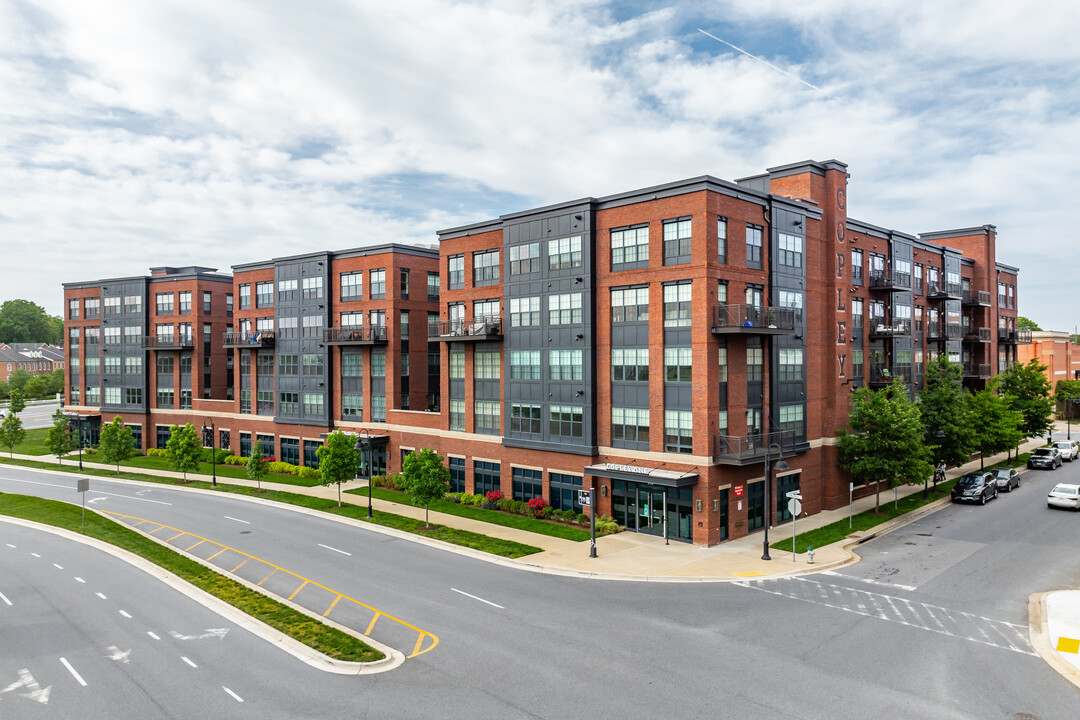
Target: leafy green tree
54,381
17,404
943,407
884,442
25,321
184,448
1067,397
11,432
1029,392
338,460
255,468
426,478
1022,323
5,391
116,443
996,426
18,378
35,387
58,440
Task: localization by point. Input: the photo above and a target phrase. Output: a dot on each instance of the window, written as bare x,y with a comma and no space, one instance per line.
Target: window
857,364
313,403
185,302
876,266
112,364
485,477
486,268
525,419
755,364
352,286
112,305
564,253
111,335
486,365
677,305
488,310
93,335
486,416
457,414
73,338
207,303
377,284
184,331
564,491
403,324
164,303
457,474
264,402
245,297
525,259
721,239
352,407
629,426
352,319
856,314
791,250
524,364
313,288
245,401
377,318
791,364
791,299
403,281
378,363
1002,295
288,403
722,422
678,431
133,396
1012,297
313,325
112,395
527,484
313,364
565,421
163,333
524,312
132,365
456,268
133,304
378,408
677,364
676,242
630,245
753,246
264,294
856,267
564,309
722,373
164,396
92,308
630,305
457,364
630,364
433,287
791,417
564,364
73,309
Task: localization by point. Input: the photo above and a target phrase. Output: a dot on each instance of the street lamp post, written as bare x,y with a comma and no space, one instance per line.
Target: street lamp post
780,465
213,448
364,443
80,442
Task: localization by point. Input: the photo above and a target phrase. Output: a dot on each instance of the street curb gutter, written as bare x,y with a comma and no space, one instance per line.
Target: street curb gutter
294,647
1039,635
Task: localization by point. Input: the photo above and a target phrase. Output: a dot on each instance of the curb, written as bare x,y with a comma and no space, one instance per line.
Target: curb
1039,635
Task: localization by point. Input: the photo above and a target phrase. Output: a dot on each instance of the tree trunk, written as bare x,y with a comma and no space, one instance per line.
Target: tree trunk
339,493
427,521
877,496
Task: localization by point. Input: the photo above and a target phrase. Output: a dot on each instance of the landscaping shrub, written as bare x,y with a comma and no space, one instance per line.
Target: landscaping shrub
582,519
494,496
234,460
283,468
519,508
454,497
547,512
504,504
310,472
537,504
155,452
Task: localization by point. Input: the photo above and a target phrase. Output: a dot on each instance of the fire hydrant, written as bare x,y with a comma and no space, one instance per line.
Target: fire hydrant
810,552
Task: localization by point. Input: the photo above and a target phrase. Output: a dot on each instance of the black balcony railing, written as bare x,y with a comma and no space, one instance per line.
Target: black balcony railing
1014,337
883,373
355,335
1023,337
753,320
943,291
933,330
977,370
890,281
882,329
249,339
977,334
953,331
977,297
481,328
168,342
747,449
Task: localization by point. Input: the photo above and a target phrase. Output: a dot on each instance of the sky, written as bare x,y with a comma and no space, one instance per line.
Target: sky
135,134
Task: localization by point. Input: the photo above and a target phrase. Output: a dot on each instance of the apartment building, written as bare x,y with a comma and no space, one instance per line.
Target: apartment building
652,345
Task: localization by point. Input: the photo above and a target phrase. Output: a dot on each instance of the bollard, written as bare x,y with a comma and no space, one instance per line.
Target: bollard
810,552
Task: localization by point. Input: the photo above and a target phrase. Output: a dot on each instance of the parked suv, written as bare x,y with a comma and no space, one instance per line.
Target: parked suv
975,487
1007,479
1068,449
1045,457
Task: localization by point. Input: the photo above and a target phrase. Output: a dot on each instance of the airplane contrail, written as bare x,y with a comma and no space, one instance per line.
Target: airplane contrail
761,60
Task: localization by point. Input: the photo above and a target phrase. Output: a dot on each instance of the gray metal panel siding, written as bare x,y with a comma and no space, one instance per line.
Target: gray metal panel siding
786,277
309,266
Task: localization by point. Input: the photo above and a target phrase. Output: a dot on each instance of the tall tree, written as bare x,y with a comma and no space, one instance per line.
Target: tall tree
884,442
426,478
338,460
255,467
943,407
58,440
184,448
1023,323
11,432
18,378
25,321
17,403
116,442
996,426
1029,392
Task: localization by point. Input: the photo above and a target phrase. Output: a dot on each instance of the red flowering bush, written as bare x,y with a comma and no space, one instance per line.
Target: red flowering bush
538,504
494,496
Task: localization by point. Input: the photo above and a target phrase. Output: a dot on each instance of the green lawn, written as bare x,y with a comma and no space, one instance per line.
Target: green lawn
519,522
33,443
322,638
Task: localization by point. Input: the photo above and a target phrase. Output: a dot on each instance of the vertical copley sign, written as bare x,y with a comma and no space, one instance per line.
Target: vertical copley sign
841,286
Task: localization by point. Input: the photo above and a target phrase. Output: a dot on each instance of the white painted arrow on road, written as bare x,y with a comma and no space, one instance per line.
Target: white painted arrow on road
116,653
97,499
219,633
26,680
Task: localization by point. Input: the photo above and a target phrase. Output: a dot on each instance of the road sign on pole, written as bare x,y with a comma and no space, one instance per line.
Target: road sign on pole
584,498
82,484
794,506
592,522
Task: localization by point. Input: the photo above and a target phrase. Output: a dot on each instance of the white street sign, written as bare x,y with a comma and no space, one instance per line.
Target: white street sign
794,506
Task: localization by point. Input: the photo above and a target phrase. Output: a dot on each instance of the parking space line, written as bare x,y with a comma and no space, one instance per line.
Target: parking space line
235,697
331,606
74,673
8,602
298,589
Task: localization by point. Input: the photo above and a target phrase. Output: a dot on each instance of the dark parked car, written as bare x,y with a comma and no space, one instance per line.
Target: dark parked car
1007,479
975,487
1045,457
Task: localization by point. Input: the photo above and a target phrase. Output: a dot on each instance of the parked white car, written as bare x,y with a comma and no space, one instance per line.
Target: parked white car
1069,449
1063,495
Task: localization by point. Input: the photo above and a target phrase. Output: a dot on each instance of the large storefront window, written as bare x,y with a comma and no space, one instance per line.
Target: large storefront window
640,508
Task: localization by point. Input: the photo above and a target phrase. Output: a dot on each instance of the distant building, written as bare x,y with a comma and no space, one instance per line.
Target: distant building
34,358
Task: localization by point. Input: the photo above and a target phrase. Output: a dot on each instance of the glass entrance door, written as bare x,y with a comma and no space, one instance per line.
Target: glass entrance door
650,510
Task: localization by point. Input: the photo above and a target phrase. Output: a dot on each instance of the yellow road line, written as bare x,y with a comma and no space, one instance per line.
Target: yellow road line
298,589
242,563
176,536
267,577
196,545
371,625
223,549
331,606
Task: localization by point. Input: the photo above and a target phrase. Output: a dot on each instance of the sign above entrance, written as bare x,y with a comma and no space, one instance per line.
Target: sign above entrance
628,468
636,473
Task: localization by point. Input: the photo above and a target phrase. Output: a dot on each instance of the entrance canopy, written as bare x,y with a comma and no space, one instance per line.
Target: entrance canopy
638,474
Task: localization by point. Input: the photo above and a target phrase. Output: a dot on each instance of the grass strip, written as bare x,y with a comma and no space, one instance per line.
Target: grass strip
322,638
518,522
464,538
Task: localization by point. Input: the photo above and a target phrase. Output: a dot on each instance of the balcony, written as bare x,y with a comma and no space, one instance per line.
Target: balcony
887,330
475,330
933,330
953,331
248,339
944,291
979,298
882,374
753,320
890,282
168,342
977,370
977,334
750,449
1014,337
355,335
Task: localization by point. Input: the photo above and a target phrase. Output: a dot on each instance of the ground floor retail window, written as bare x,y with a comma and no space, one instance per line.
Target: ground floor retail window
457,474
266,445
136,435
722,520
223,439
485,477
564,491
755,501
290,450
527,484
784,485
162,436
245,444
311,456
640,508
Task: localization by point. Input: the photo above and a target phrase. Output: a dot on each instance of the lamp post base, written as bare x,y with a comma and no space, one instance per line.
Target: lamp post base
765,550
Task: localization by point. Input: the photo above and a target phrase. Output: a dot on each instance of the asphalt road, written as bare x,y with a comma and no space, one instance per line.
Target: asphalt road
38,416
932,624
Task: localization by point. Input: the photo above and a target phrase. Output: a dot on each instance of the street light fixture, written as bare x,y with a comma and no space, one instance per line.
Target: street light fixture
780,465
363,442
213,448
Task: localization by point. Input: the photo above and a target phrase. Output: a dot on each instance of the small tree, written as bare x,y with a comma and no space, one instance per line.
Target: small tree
943,407
58,440
184,448
1029,392
338,459
996,427
1023,323
1066,395
18,401
425,478
885,439
11,432
116,443
255,468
